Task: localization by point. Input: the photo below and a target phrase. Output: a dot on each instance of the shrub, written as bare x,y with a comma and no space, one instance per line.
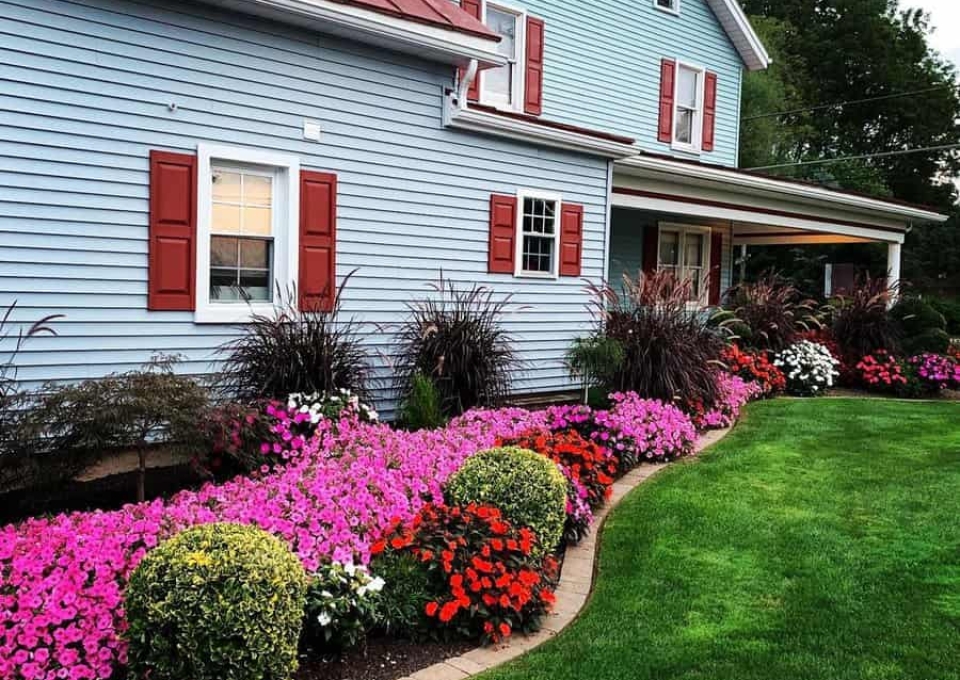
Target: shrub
341,605
234,434
754,367
810,368
596,360
922,328
668,347
528,489
295,352
218,602
421,408
881,371
950,308
861,322
487,578
401,609
934,372
735,393
770,313
133,410
456,337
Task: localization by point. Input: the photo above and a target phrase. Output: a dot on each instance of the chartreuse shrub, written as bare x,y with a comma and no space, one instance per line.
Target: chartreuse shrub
529,489
216,602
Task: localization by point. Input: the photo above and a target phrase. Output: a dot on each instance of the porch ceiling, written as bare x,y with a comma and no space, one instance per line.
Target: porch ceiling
762,209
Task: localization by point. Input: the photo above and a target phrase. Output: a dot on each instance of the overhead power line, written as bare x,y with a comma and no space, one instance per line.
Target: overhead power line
882,154
849,102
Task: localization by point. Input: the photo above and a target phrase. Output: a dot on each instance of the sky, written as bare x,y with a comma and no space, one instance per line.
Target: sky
945,15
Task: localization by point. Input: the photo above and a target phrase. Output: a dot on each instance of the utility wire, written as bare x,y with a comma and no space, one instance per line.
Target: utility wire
822,107
883,154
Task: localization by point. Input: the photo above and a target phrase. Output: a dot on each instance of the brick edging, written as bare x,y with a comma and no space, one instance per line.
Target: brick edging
576,583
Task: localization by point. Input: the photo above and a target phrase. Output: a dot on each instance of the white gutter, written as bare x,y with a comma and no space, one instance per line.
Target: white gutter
383,30
484,122
639,164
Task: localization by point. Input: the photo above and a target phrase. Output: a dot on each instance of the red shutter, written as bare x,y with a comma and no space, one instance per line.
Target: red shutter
533,99
503,234
318,241
571,239
172,267
474,9
716,266
709,111
651,249
668,74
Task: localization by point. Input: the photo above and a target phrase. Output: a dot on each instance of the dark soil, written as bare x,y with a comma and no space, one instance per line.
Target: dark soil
385,659
108,493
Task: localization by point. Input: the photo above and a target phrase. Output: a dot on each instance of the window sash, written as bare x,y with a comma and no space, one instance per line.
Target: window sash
687,113
538,230
503,86
685,270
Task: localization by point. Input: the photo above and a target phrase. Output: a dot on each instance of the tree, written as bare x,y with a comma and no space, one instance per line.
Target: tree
828,55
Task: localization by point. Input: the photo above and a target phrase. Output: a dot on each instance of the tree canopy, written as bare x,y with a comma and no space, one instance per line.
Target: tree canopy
829,56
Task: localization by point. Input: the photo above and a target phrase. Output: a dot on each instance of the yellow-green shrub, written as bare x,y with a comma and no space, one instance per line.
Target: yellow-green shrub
528,488
216,602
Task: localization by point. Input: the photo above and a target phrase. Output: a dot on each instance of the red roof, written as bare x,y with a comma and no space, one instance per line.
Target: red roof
440,13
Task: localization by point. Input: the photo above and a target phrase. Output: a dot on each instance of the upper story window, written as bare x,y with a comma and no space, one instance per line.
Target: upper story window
672,6
539,231
685,251
503,86
688,108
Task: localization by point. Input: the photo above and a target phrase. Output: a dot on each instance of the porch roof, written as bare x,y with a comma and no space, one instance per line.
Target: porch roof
762,209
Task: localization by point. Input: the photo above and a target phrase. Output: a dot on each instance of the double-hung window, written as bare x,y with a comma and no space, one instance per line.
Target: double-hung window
503,86
688,108
539,234
685,251
247,231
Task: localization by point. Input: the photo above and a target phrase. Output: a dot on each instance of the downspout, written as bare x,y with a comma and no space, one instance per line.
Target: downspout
454,102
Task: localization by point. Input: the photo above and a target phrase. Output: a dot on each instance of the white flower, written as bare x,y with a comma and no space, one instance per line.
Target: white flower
324,619
350,568
326,593
376,585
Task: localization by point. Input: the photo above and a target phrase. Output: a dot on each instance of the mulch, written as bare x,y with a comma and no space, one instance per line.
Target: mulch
384,659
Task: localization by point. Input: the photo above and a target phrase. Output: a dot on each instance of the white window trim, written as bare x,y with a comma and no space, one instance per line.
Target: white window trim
519,79
675,10
286,239
696,147
684,229
519,271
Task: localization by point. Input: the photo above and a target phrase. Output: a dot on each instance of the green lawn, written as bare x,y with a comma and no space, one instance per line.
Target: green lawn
820,540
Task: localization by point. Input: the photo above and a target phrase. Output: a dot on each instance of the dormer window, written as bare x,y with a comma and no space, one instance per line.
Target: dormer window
503,86
671,6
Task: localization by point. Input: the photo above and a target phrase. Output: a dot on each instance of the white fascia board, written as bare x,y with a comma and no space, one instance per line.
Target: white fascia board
488,123
745,39
431,42
644,164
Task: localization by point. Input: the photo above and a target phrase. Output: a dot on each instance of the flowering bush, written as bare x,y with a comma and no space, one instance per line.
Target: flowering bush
754,367
936,372
235,435
488,581
340,606
636,430
809,367
734,393
881,371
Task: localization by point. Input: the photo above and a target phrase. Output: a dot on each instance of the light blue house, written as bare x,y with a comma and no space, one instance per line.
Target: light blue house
155,156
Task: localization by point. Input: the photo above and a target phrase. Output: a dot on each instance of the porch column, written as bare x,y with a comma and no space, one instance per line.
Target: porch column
893,268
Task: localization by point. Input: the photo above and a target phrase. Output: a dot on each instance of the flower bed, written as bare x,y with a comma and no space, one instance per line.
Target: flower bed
62,578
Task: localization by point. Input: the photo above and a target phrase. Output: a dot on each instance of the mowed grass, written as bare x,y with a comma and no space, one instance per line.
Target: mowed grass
820,540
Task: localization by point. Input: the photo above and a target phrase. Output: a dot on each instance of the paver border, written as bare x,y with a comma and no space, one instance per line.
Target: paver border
576,584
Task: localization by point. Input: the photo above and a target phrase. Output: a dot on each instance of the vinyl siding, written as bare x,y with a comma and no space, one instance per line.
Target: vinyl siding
602,67
84,92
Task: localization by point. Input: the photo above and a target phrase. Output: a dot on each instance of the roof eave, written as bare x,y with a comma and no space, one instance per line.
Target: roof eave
357,23
735,22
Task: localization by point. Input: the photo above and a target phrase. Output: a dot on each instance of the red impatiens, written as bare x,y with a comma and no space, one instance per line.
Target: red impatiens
754,368
880,370
487,581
